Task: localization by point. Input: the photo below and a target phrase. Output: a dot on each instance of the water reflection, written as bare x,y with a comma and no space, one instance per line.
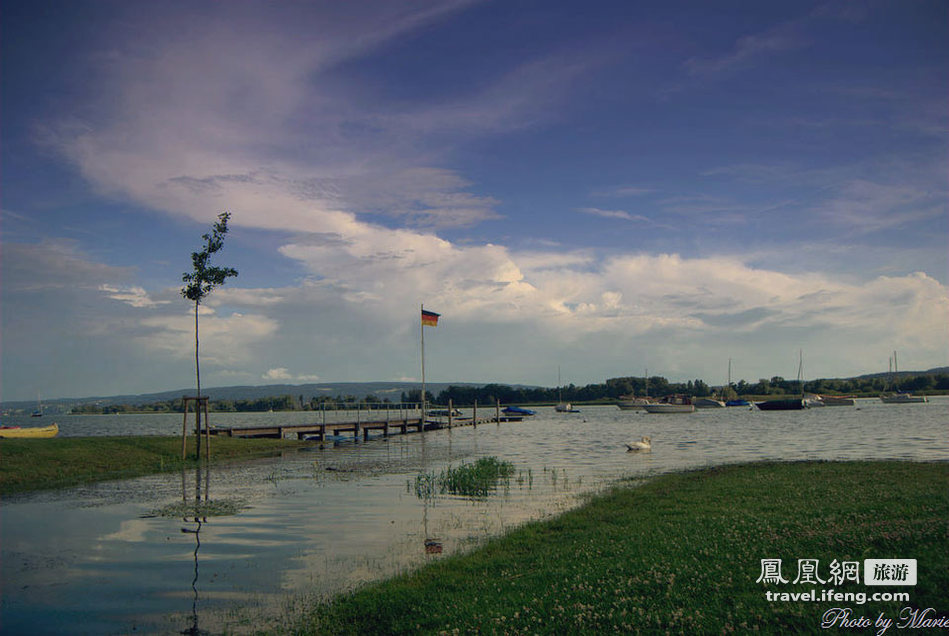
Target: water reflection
197,519
299,527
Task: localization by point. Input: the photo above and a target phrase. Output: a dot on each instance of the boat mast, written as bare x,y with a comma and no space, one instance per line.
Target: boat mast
800,371
896,374
729,378
559,392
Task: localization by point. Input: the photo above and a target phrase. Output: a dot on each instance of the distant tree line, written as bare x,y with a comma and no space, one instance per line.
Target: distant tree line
611,390
258,405
617,388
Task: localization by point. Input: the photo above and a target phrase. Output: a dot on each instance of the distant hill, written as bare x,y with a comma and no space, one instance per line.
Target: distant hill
902,374
382,390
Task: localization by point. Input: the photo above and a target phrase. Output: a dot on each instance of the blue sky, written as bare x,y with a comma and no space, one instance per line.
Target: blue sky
600,186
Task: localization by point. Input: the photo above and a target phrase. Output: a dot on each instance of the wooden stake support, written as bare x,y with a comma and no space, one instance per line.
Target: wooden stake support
201,404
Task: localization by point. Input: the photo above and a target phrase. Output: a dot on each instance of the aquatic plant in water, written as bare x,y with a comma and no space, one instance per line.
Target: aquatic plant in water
426,485
478,479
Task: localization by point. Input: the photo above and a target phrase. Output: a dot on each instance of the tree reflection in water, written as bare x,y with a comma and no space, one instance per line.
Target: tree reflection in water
198,519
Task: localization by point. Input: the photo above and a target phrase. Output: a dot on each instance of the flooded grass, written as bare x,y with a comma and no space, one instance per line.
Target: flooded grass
679,554
39,464
212,508
478,479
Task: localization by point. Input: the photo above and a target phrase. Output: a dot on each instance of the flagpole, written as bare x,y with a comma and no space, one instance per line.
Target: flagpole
422,332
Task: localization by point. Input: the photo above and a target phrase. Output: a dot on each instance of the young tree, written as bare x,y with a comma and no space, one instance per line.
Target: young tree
201,281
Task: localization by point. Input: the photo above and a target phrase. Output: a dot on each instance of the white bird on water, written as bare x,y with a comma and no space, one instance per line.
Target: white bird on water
643,444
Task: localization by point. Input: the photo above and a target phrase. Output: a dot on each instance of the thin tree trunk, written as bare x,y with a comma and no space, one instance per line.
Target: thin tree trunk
197,370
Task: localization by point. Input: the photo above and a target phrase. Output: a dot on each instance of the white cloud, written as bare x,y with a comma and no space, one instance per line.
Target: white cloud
54,265
212,120
134,296
282,374
868,206
746,50
614,214
225,341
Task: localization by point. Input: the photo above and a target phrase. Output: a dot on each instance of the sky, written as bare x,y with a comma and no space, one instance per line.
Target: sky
600,187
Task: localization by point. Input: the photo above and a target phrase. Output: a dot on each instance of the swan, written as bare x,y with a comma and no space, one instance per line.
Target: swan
644,444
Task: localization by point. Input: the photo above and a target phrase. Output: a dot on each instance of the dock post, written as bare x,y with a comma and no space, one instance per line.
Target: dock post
474,417
497,412
451,407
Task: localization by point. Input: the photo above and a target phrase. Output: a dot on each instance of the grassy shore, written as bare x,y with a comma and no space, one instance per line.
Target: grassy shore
39,464
680,554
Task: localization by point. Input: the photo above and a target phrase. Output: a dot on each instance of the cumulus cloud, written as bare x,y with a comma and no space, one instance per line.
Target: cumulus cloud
283,374
134,295
226,341
211,120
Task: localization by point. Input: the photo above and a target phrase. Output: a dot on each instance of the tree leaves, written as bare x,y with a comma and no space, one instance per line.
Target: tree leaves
205,277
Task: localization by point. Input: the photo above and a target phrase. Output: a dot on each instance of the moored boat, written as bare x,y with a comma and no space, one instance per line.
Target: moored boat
812,400
708,403
738,402
671,404
838,400
30,432
902,398
788,404
896,396
633,403
563,407
517,410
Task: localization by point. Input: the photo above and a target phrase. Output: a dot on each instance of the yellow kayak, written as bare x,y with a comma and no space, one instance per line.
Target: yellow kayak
34,432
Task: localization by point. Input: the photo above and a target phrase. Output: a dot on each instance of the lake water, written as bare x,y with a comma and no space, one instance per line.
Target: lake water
132,556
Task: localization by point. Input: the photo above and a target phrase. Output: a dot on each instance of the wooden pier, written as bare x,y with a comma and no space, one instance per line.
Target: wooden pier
362,428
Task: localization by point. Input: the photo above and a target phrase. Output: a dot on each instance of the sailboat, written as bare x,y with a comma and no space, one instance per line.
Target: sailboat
738,401
788,404
897,396
631,402
39,407
563,407
671,404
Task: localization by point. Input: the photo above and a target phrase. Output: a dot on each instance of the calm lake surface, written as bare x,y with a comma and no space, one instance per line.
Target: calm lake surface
131,556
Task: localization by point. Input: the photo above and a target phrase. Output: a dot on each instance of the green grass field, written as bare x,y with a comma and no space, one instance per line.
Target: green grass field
680,554
38,464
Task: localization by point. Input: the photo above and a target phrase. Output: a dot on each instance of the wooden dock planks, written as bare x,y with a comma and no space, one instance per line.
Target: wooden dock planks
319,431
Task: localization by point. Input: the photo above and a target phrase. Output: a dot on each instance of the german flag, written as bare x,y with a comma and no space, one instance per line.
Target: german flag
430,318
